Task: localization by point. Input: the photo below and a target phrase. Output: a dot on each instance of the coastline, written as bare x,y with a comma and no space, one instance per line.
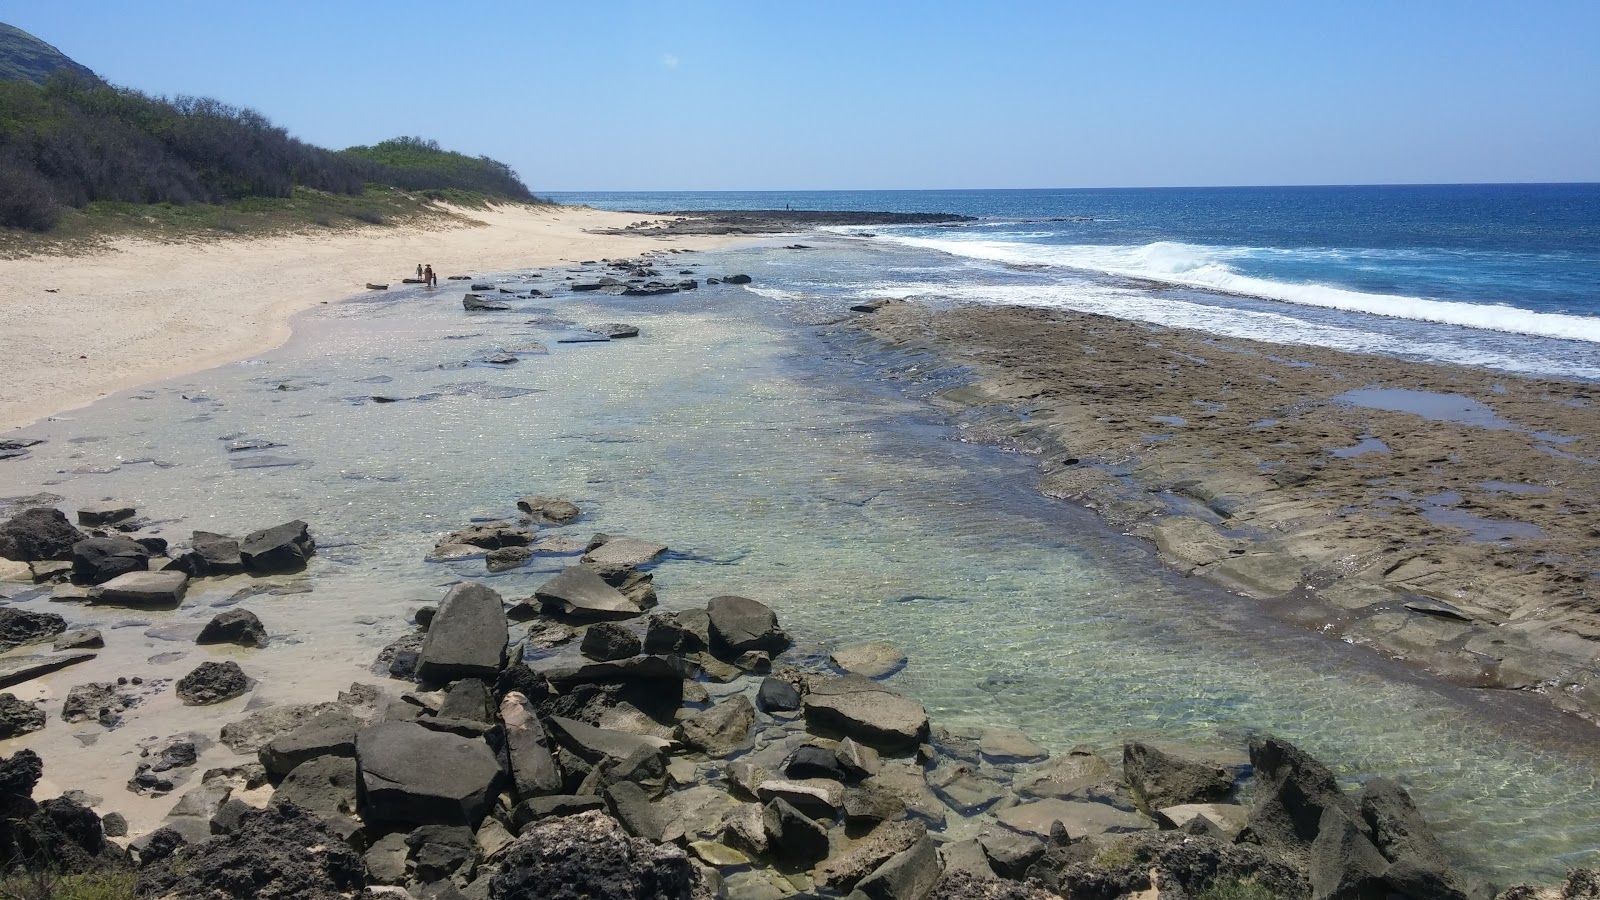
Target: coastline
80,328
1458,542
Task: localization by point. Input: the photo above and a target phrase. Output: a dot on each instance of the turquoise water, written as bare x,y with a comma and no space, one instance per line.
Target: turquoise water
773,463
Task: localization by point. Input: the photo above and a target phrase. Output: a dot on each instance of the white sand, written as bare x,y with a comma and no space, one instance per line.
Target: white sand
144,311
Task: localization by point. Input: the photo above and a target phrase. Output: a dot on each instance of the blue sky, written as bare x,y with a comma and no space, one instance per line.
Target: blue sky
858,95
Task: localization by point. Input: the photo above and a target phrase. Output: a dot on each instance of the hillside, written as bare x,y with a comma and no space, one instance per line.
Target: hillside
24,57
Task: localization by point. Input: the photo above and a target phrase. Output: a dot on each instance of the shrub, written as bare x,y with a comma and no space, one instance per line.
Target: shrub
1236,889
369,216
26,200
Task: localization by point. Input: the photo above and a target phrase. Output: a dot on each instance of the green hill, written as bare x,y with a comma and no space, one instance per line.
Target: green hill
24,57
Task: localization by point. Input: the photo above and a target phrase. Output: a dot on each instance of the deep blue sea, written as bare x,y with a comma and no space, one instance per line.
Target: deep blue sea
1506,276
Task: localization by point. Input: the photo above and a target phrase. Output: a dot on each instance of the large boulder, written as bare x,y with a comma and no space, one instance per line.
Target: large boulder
607,641
98,560
408,774
38,534
908,875
722,730
212,682
589,855
332,733
579,592
21,626
739,624
281,548
867,711
467,638
1419,867
234,626
1292,791
278,853
212,554
1343,863
1160,779
143,589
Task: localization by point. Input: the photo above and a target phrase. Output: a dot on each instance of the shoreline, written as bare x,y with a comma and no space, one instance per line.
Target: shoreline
82,328
1458,544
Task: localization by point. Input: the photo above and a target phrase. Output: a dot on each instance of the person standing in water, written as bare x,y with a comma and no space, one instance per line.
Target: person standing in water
428,278
419,270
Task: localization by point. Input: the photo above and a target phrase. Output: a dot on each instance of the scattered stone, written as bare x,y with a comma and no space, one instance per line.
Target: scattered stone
143,589
20,626
580,593
281,548
38,534
409,774
467,638
95,702
739,624
213,682
867,711
722,730
609,641
18,718
875,659
80,639
549,510
507,558
234,626
106,512
97,560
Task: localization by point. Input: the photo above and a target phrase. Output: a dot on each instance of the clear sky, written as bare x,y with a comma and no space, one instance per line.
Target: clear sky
602,95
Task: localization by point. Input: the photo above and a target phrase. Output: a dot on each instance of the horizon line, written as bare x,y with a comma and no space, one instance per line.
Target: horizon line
1144,187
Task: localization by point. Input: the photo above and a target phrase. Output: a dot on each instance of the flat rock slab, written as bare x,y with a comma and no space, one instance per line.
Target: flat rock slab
624,551
143,589
412,775
595,744
17,669
876,659
580,592
467,638
1010,745
1228,817
104,513
865,710
1080,818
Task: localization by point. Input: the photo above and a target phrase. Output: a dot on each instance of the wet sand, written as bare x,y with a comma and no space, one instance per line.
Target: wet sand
1454,528
81,327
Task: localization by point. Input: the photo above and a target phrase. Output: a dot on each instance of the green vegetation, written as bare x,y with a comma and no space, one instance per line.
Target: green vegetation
24,57
1117,856
1236,889
78,154
102,886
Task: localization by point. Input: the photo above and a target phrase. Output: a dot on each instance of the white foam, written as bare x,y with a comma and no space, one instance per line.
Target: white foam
1207,268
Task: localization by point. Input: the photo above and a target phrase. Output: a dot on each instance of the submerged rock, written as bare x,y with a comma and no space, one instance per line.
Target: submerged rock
549,510
213,682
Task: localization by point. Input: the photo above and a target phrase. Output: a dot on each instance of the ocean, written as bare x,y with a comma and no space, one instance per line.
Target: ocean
1502,276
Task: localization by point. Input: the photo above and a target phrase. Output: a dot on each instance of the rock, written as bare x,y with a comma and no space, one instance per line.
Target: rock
965,857
278,853
98,560
1065,776
549,510
534,771
811,761
43,571
38,534
18,718
95,702
777,695
114,824
409,774
487,536
607,551
438,851
210,554
607,641
20,626
844,870
230,816
866,711
722,730
796,840
631,805
686,631
580,593
588,855
92,515
554,805
908,875
386,859
818,798
281,548
507,558
1292,790
17,669
234,626
143,589
1009,854
212,682
248,734
736,279
1080,818
713,853
596,745
739,624
1161,779
966,791
1226,818
1420,867
332,733
857,761
1343,863
875,659
616,330
1009,746
476,303
467,638
80,639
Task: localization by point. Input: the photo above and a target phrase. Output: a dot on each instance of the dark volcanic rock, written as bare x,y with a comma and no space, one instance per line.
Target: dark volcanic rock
332,733
1160,779
1344,865
38,534
777,695
95,702
1292,791
590,856
1187,863
279,853
410,774
164,588
98,560
685,631
18,718
235,626
608,641
211,554
467,638
213,682
104,513
80,639
739,624
281,548
534,770
1420,868
549,510
19,626
798,840
579,592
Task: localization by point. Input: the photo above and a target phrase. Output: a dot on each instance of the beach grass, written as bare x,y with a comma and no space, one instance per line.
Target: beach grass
42,886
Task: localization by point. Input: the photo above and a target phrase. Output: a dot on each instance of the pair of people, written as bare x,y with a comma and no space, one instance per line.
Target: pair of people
425,272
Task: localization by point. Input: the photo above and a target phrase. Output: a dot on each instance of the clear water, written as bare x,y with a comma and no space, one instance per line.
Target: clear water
755,448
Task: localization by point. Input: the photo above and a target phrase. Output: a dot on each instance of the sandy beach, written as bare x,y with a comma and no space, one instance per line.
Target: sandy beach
80,327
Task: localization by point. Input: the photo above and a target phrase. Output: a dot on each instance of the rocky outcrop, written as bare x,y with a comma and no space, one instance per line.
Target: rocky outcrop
467,637
278,853
1159,779
21,626
589,855
38,534
281,548
18,718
